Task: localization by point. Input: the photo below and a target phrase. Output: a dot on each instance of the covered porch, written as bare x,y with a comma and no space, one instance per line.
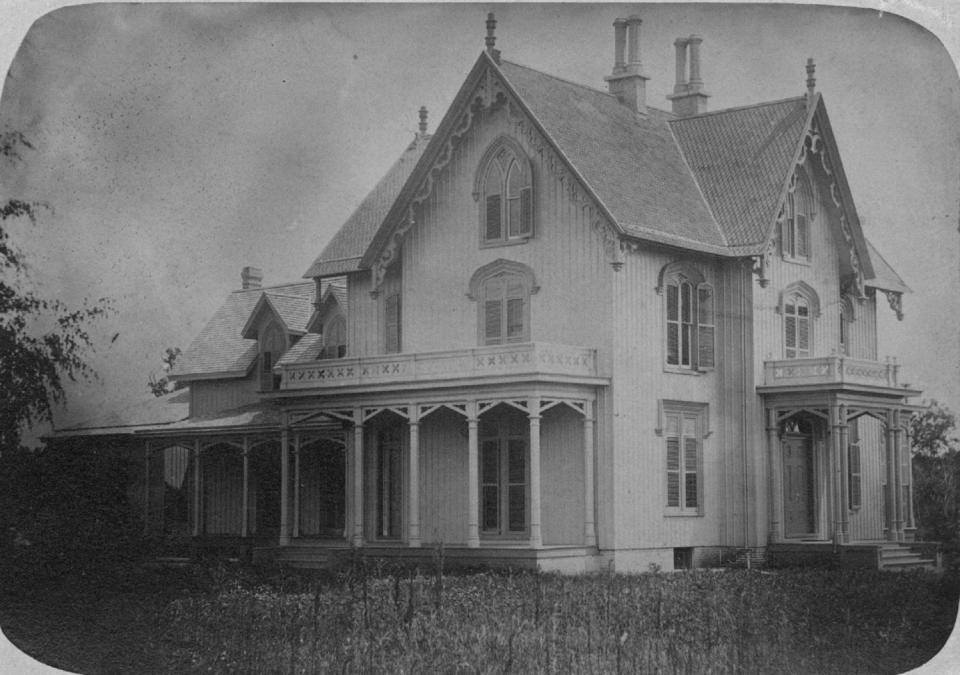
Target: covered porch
839,468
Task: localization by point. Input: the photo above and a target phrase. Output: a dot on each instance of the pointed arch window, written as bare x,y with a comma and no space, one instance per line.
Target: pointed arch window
502,290
504,189
799,213
846,318
690,317
335,338
799,305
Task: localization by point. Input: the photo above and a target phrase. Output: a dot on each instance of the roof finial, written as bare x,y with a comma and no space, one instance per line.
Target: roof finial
811,80
423,120
491,38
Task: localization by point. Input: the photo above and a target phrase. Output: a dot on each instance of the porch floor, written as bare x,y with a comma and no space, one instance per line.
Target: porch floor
869,554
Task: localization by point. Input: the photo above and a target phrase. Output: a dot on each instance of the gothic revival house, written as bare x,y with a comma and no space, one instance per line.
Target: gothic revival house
566,330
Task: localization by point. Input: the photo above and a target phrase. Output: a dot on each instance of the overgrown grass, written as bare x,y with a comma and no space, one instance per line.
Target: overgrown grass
695,622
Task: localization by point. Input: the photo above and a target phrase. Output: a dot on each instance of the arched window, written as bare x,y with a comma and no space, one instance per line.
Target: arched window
335,338
504,189
273,344
690,317
800,210
800,305
502,291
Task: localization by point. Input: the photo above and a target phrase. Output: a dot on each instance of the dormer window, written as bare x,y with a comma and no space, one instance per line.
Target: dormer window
504,189
799,212
272,345
335,338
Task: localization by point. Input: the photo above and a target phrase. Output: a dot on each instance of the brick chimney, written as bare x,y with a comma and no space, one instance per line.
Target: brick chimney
251,277
627,81
688,96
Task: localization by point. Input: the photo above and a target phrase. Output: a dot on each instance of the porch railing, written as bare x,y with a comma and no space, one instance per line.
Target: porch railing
831,370
529,358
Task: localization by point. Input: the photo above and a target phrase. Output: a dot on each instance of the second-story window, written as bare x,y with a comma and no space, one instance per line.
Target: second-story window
504,190
690,322
391,322
502,290
335,338
796,324
799,212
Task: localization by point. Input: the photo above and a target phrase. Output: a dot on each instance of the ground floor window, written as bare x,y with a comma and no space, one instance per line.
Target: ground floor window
683,428
854,474
322,493
170,490
504,472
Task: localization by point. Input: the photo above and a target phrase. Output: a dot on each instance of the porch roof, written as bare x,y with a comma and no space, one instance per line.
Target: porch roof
167,415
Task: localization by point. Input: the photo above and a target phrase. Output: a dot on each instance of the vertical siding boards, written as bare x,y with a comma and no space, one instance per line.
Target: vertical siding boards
561,462
863,330
443,250
867,522
222,481
443,478
207,397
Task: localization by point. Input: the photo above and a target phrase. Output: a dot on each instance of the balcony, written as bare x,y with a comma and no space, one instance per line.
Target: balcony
834,372
529,360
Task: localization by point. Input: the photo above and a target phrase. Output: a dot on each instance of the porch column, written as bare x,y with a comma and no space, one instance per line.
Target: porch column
245,496
357,477
589,523
844,475
898,476
536,540
146,487
284,486
890,510
837,471
413,517
775,492
296,486
196,488
473,477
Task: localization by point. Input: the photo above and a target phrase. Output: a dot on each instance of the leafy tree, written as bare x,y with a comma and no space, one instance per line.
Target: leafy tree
163,386
936,473
42,340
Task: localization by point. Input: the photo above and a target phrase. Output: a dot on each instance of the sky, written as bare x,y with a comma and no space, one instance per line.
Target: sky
178,143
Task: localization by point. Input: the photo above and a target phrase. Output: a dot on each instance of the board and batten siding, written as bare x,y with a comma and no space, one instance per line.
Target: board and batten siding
866,522
442,251
638,481
561,477
212,396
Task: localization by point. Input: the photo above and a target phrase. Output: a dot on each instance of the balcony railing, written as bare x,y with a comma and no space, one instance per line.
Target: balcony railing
526,359
831,370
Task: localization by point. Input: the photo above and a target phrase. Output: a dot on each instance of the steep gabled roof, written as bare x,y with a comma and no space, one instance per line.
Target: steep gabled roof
346,248
631,163
884,277
741,158
220,350
291,309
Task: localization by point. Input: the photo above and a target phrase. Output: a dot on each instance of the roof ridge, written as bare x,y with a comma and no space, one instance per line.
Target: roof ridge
738,108
270,288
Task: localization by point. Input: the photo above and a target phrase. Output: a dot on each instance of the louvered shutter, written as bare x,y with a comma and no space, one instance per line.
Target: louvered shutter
705,327
691,492
802,236
673,471
492,321
494,229
526,211
673,325
392,323
853,459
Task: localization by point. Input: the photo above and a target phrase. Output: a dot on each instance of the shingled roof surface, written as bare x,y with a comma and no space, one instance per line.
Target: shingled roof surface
291,307
146,411
220,348
346,248
741,158
632,163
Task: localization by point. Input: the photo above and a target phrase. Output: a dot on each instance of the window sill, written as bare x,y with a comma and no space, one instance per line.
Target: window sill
795,260
496,243
682,514
680,370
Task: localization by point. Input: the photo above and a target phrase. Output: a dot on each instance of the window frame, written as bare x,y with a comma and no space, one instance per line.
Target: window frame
327,352
698,417
798,217
505,156
272,336
504,272
799,290
854,467
691,356
503,483
393,323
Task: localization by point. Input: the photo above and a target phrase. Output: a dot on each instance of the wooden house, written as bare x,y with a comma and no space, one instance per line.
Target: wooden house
567,330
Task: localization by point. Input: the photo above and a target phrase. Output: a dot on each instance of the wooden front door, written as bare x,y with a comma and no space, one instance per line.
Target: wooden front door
797,485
